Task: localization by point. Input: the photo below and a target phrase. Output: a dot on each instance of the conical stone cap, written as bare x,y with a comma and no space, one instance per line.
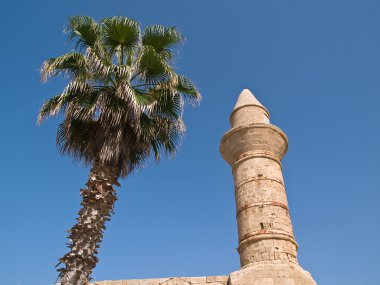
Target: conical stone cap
246,98
248,110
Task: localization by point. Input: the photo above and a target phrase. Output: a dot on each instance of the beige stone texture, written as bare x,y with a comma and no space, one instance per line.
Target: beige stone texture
254,149
248,110
209,280
274,273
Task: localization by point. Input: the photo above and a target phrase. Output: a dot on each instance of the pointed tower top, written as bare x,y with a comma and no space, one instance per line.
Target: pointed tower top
246,98
248,110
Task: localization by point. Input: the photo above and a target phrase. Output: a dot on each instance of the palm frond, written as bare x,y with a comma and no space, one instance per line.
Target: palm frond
76,87
83,30
72,63
73,137
169,134
120,34
143,98
50,107
152,68
168,104
127,94
83,94
162,39
188,89
97,64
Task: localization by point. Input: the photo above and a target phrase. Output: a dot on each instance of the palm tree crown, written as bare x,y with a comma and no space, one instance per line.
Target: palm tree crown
124,100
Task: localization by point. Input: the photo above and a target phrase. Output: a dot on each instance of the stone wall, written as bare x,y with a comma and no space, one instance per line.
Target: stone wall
209,280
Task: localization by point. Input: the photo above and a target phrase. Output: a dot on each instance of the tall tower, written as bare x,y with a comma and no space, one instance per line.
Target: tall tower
254,149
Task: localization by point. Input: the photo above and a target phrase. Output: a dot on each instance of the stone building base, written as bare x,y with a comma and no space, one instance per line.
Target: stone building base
272,273
209,280
266,273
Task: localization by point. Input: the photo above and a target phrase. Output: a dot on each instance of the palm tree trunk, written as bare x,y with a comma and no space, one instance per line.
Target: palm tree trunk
97,207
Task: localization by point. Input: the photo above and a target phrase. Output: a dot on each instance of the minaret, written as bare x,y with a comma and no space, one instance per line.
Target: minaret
254,149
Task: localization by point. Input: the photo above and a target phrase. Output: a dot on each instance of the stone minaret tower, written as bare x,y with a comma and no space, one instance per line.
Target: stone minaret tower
254,149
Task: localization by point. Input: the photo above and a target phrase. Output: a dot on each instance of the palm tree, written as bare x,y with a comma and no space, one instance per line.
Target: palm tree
122,104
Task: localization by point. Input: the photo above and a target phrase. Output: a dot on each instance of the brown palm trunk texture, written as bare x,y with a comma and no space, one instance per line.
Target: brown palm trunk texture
97,207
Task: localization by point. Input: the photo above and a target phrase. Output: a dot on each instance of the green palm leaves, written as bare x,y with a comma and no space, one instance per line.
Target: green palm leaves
162,39
121,35
83,30
124,100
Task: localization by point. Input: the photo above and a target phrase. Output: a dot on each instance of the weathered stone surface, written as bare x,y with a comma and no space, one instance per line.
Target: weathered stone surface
271,273
209,280
267,247
248,110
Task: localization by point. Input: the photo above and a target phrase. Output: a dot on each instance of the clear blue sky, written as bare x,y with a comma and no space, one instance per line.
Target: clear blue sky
314,64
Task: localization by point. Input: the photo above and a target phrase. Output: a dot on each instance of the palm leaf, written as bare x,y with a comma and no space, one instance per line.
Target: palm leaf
162,39
83,30
50,107
169,104
120,35
188,89
72,63
152,68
